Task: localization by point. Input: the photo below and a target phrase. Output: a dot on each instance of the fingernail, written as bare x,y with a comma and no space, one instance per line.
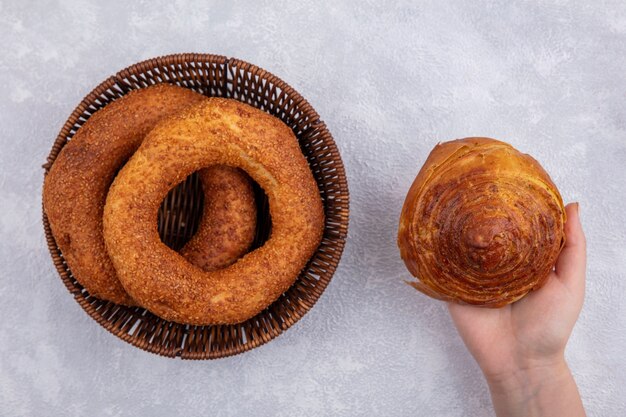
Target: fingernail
578,209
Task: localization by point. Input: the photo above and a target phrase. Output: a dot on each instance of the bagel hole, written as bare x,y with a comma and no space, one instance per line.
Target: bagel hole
181,210
263,217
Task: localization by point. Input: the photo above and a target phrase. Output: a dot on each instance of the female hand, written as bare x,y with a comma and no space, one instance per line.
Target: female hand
520,348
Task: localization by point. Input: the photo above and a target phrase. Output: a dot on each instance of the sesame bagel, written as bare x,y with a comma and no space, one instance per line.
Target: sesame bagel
76,186
215,131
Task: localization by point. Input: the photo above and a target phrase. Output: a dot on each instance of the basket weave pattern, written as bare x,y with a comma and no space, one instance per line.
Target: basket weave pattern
218,76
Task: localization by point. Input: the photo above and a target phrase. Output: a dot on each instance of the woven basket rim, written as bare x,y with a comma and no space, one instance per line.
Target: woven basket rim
122,320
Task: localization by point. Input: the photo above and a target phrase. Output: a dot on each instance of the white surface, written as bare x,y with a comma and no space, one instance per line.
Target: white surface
390,80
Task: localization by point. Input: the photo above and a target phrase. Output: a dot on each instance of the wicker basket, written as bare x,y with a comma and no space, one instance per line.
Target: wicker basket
218,76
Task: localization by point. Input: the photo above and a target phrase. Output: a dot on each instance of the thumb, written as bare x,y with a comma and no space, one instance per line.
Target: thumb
571,264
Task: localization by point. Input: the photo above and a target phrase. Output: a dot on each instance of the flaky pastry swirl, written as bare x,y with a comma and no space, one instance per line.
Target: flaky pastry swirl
482,223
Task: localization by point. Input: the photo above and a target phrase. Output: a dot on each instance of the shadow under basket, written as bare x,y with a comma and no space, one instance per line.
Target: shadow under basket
218,76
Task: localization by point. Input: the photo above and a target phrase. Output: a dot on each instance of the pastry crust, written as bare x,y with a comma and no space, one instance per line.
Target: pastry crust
228,223
75,190
217,131
482,224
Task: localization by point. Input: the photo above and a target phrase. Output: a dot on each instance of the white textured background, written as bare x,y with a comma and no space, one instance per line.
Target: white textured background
390,80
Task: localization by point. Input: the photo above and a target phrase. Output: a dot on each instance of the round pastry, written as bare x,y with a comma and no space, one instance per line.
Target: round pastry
75,190
228,223
217,131
482,224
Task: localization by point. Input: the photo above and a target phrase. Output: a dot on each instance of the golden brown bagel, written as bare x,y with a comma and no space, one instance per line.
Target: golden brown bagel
228,223
482,223
217,131
75,189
